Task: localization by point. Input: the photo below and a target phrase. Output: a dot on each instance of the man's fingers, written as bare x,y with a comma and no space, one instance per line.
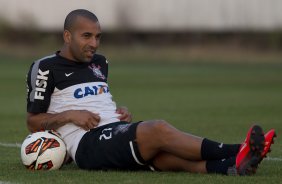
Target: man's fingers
94,123
85,127
118,111
96,116
128,119
125,117
121,116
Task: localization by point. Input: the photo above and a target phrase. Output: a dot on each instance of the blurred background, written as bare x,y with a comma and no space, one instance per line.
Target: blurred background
220,30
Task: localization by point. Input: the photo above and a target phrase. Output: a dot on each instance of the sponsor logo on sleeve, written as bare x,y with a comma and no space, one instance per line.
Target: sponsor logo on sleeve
41,84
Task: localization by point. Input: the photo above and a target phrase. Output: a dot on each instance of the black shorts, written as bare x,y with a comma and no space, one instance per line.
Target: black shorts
111,146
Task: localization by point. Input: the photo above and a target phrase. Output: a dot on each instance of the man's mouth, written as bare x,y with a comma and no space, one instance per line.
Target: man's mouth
90,52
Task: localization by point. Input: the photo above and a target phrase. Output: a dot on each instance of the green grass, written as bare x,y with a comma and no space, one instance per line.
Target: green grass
218,101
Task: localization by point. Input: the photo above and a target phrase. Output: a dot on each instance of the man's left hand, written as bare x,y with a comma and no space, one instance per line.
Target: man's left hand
125,115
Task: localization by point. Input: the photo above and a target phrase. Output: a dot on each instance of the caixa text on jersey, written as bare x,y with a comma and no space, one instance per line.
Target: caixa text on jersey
90,90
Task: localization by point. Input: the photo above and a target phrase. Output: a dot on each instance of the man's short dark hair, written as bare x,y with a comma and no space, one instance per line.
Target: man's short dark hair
71,17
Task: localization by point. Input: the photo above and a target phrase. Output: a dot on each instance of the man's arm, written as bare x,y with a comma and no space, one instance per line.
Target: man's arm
46,121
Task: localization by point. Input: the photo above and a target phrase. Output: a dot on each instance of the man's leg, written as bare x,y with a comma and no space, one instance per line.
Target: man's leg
155,137
158,136
167,162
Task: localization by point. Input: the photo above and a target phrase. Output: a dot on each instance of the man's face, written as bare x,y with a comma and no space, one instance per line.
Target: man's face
84,39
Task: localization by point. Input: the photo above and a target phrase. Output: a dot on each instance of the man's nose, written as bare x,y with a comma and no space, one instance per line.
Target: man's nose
94,42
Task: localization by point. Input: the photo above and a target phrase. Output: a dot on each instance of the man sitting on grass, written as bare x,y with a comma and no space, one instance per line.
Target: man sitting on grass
68,92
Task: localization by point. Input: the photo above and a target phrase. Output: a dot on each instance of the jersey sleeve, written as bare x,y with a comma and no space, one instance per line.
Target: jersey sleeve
40,86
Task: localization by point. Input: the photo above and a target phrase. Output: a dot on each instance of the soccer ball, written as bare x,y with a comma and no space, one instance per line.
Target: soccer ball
43,151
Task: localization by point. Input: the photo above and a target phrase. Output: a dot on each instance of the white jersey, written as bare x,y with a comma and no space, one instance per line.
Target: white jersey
56,84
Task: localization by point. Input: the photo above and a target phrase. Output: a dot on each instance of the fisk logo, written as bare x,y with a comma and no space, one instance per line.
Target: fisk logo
41,84
90,90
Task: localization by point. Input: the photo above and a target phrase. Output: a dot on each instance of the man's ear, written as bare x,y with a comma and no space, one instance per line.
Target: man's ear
67,36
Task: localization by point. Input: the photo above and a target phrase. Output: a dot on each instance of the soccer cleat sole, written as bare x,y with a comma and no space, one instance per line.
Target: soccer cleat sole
249,164
271,142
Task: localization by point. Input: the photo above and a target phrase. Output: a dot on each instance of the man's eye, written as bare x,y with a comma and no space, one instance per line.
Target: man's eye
98,36
86,35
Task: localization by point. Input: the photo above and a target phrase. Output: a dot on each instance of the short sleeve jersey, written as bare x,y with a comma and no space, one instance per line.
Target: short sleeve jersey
56,84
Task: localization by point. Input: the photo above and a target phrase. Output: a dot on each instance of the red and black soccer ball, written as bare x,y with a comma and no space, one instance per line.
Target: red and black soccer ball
43,150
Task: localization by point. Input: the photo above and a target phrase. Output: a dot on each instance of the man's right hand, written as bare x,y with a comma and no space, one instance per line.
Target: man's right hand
83,118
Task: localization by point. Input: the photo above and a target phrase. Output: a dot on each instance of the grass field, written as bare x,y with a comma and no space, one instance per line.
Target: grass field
219,101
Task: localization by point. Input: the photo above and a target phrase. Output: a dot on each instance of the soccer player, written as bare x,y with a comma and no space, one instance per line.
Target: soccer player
68,92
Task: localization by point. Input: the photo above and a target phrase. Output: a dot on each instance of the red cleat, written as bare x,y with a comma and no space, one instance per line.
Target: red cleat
250,152
269,140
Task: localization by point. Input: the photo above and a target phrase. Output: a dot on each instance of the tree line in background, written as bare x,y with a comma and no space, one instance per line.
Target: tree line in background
254,40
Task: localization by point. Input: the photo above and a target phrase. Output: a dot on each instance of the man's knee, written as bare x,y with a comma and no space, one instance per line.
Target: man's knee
161,126
158,129
151,137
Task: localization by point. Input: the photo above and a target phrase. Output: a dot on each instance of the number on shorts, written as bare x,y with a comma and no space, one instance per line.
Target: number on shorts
106,134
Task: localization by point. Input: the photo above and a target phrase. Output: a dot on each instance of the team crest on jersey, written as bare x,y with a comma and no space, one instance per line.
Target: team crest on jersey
97,71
